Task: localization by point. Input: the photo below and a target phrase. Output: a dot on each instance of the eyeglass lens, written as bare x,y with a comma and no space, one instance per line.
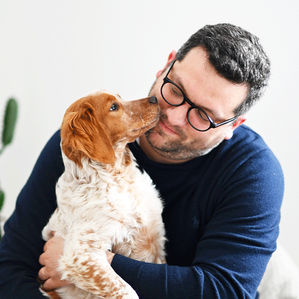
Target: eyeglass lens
173,96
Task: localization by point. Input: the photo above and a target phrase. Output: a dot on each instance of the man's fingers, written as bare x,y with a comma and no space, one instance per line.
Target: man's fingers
49,241
41,259
51,284
45,246
49,274
42,274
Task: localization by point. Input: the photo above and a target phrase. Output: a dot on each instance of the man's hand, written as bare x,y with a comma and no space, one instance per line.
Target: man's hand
49,274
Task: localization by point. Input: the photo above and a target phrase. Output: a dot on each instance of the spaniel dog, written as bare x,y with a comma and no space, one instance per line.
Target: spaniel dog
104,201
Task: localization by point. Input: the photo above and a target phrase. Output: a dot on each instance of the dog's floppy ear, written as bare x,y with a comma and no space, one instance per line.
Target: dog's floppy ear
82,135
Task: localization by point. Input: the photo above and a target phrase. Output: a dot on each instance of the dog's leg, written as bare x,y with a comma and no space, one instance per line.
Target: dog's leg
86,265
149,243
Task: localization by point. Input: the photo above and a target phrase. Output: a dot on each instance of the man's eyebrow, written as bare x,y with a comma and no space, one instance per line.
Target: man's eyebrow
181,85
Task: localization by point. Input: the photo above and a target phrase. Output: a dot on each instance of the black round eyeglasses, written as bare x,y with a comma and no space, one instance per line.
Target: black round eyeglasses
197,117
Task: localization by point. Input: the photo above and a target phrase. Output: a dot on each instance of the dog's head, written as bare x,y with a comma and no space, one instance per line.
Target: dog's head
93,126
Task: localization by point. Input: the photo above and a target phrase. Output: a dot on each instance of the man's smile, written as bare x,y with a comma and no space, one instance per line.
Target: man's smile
166,128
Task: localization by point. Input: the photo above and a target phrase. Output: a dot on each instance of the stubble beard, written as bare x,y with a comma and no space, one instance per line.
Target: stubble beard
176,149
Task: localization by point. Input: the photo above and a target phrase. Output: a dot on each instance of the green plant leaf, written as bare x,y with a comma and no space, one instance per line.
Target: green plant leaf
10,119
2,196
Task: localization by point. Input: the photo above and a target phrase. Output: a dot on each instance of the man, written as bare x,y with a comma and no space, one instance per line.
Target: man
222,187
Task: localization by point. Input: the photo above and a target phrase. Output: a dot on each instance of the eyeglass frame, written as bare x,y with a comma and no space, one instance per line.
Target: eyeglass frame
213,125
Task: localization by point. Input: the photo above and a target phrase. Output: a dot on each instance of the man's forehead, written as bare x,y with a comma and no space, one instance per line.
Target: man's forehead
205,87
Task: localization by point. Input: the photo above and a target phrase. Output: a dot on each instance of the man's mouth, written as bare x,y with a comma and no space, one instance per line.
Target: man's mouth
167,129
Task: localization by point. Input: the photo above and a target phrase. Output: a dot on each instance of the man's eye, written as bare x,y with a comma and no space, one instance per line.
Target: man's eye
202,115
114,107
175,91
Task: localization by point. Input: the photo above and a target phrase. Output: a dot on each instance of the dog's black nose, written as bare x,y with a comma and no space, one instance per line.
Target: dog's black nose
153,100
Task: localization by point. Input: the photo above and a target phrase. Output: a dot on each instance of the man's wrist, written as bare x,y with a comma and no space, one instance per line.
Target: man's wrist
110,256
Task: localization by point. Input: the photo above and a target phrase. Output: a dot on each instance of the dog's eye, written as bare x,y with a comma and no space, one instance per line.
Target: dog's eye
114,107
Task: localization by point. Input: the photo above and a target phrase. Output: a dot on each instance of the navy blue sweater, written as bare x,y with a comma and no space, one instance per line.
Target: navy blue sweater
221,214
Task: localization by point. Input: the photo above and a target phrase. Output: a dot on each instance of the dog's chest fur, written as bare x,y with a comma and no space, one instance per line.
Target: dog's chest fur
91,197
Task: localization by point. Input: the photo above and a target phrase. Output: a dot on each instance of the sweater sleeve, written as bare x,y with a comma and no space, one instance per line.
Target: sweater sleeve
22,243
235,247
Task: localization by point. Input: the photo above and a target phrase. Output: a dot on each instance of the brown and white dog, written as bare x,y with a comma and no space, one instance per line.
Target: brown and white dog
104,201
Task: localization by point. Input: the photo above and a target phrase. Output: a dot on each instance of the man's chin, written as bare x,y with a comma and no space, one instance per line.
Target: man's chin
172,148
159,141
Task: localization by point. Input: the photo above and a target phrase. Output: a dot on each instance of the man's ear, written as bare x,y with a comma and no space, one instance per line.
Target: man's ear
238,122
171,57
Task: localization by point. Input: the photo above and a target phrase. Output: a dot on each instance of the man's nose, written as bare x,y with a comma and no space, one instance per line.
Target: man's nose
177,116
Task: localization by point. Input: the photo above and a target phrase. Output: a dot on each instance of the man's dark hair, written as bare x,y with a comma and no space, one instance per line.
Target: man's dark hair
236,54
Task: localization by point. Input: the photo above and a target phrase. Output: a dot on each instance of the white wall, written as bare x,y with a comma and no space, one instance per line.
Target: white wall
53,52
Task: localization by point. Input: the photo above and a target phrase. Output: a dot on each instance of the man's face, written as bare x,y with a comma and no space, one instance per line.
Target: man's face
173,140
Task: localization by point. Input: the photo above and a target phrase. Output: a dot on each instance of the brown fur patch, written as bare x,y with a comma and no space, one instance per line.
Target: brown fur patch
127,158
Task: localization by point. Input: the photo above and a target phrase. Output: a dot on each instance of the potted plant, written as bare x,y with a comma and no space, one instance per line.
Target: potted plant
9,123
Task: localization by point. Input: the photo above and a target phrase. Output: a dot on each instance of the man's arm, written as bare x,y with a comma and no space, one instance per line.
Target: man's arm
233,252
22,242
236,245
